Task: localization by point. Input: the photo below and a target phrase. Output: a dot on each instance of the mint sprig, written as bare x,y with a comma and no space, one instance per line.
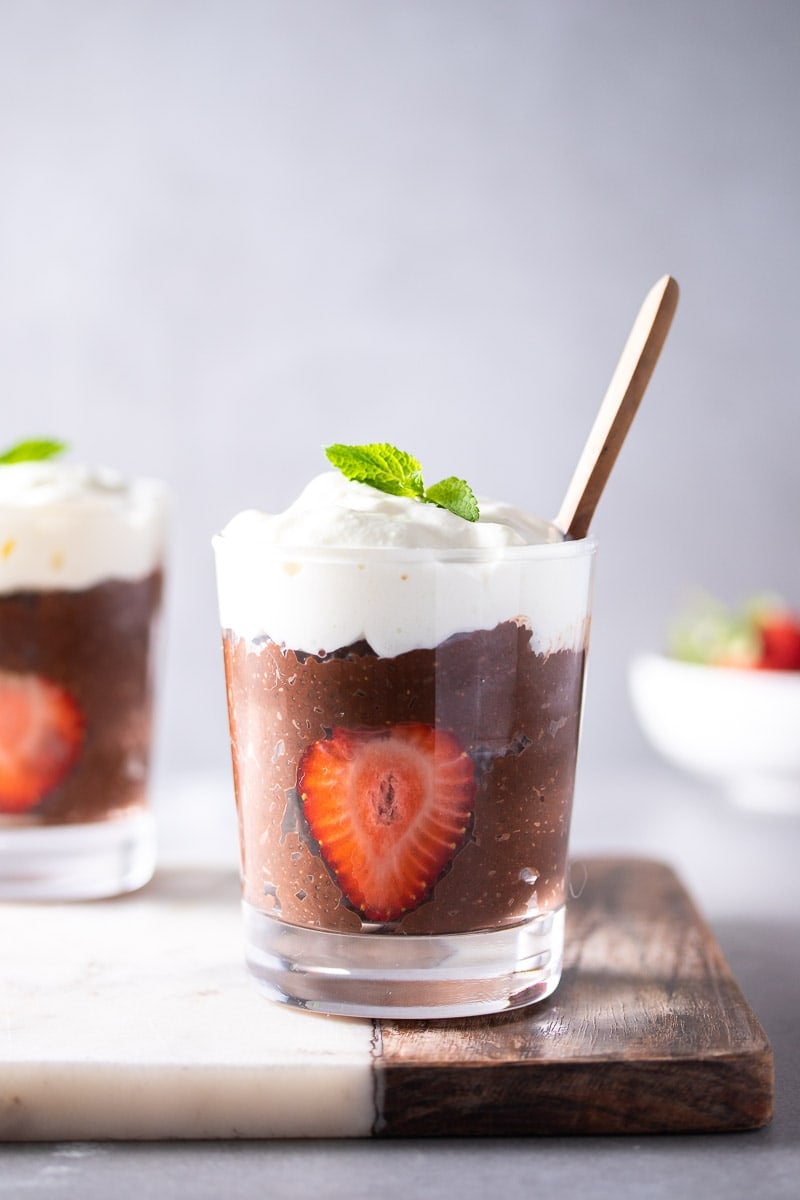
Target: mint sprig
456,495
381,466
390,470
33,450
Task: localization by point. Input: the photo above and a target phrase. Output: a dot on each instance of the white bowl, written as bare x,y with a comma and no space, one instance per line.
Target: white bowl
738,728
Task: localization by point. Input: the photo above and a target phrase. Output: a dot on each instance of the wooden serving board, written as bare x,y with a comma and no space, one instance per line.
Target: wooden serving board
134,1018
647,1032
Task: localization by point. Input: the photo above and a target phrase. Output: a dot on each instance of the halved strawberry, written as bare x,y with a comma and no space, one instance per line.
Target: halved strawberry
41,731
389,808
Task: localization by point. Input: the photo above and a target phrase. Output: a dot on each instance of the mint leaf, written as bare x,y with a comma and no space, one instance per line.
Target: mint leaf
455,495
32,451
388,469
380,466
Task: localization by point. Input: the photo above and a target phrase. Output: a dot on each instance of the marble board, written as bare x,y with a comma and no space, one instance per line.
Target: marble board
134,1018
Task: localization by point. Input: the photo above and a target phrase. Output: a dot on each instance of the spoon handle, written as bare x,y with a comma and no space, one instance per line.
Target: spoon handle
628,383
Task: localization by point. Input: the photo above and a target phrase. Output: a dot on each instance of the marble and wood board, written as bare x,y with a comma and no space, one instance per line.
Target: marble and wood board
134,1018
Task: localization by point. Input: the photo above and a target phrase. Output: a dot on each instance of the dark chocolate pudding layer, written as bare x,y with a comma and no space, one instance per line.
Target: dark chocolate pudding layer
515,712
97,645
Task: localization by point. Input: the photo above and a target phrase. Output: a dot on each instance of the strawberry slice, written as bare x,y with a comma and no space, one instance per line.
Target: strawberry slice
41,731
780,641
389,808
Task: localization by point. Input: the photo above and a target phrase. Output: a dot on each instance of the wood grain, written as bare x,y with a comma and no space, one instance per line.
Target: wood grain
648,1032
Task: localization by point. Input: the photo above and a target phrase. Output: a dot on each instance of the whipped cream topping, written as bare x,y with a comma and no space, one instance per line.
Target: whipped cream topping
63,525
347,562
334,511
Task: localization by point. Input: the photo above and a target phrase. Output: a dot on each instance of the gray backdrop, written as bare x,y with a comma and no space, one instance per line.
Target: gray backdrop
231,232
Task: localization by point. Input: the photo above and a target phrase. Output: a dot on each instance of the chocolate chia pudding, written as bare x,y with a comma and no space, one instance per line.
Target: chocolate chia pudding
86,654
82,554
513,710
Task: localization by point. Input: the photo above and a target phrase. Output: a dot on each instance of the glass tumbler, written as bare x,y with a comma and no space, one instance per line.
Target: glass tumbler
404,729
81,579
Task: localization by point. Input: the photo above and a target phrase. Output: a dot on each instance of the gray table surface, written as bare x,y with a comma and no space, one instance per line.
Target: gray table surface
741,869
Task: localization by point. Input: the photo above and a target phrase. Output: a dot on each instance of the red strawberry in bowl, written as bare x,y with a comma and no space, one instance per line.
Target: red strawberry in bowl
389,809
41,732
779,630
763,635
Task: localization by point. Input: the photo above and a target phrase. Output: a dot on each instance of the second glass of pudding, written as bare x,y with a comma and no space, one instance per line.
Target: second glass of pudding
82,559
404,726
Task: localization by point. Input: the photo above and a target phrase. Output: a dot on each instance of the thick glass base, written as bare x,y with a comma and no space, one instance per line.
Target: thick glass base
77,862
397,976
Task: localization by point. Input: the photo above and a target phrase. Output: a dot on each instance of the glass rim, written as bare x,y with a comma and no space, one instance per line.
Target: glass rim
568,548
